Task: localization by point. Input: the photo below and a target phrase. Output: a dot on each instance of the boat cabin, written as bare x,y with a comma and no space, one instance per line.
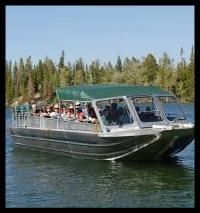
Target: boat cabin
119,107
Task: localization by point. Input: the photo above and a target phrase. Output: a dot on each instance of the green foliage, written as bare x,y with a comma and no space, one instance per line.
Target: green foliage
79,72
185,78
166,76
9,83
61,64
25,80
31,87
118,66
150,69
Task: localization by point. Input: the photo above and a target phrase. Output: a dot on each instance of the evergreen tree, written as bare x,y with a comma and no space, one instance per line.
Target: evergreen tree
94,72
150,69
126,65
61,64
9,82
39,77
181,71
15,80
63,77
79,75
192,58
24,75
50,77
88,79
69,74
110,66
31,87
185,78
189,79
118,66
25,80
166,76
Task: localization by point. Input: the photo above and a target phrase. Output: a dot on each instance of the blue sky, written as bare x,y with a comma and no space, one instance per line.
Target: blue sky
98,32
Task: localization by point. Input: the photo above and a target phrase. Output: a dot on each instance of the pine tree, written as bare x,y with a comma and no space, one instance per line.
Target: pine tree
79,76
150,69
61,64
24,74
39,77
31,87
191,74
15,80
9,82
118,66
94,71
166,76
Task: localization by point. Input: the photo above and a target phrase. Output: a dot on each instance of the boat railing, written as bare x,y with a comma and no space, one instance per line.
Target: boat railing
19,119
27,120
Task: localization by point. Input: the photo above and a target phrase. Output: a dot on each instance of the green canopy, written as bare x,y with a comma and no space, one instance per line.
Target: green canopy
98,91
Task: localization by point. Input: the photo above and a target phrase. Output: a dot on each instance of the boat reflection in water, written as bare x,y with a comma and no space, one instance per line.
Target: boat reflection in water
131,123
69,182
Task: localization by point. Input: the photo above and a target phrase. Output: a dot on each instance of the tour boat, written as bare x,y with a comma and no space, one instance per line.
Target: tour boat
132,122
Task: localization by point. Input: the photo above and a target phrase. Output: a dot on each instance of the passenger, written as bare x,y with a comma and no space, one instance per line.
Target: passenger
35,111
78,106
34,108
150,115
114,108
80,115
148,109
137,109
90,113
146,116
120,116
70,113
56,113
49,109
79,112
64,113
107,115
46,112
86,109
123,117
114,113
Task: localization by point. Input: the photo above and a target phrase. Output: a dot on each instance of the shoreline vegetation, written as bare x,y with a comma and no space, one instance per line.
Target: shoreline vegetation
26,82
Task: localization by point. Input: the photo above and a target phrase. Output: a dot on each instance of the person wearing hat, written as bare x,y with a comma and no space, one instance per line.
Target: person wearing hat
79,112
78,107
70,113
64,113
78,104
55,113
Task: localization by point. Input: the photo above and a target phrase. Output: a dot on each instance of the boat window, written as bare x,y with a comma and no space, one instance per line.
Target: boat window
171,108
146,109
114,112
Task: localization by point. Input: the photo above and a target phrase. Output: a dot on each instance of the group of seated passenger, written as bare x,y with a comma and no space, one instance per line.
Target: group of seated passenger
72,112
148,115
114,115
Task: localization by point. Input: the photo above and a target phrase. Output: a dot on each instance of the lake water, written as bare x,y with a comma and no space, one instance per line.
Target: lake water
35,179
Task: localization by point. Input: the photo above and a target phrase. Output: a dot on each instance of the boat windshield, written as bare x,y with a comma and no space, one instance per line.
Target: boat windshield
114,112
147,109
171,107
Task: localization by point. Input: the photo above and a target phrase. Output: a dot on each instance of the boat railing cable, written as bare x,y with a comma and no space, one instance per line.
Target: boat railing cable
28,120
